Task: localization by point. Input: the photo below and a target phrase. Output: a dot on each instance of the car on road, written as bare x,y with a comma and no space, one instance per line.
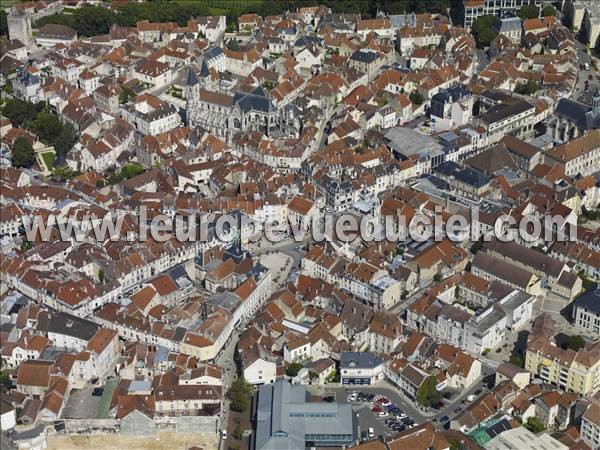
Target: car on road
371,432
363,436
444,419
457,410
477,392
471,397
224,434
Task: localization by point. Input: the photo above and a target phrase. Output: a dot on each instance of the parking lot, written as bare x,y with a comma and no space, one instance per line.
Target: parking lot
387,412
379,408
82,404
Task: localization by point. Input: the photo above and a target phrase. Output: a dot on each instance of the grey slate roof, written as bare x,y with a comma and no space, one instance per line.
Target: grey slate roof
365,56
472,177
589,300
256,100
581,115
355,360
67,324
285,420
192,79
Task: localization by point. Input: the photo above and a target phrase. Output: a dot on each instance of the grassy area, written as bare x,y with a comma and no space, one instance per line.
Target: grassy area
230,7
48,158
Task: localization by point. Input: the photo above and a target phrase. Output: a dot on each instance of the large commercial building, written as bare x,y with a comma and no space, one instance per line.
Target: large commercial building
286,420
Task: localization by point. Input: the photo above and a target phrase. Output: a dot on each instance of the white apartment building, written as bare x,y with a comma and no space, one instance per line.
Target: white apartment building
590,424
472,9
151,116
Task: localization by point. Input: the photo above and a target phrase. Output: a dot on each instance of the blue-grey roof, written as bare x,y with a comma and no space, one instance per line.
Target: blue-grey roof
256,100
192,79
452,94
589,300
285,420
472,177
401,20
359,360
578,113
213,52
447,168
364,55
305,40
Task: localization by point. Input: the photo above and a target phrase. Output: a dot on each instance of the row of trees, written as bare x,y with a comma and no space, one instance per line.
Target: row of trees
240,395
45,125
94,20
533,12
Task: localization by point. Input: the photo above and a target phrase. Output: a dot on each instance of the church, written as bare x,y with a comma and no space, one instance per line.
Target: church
226,115
573,119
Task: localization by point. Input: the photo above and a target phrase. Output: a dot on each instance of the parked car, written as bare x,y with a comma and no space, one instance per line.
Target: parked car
444,419
223,434
363,436
371,432
97,392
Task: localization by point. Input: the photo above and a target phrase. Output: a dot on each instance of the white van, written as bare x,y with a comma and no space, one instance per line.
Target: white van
371,432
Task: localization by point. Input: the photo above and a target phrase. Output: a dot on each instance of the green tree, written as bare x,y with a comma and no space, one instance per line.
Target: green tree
575,342
416,97
5,378
64,173
126,94
333,377
238,433
516,360
534,425
293,369
528,12
3,23
528,88
65,139
232,44
46,126
312,375
454,444
428,395
548,10
239,395
483,30
20,112
22,152
25,244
